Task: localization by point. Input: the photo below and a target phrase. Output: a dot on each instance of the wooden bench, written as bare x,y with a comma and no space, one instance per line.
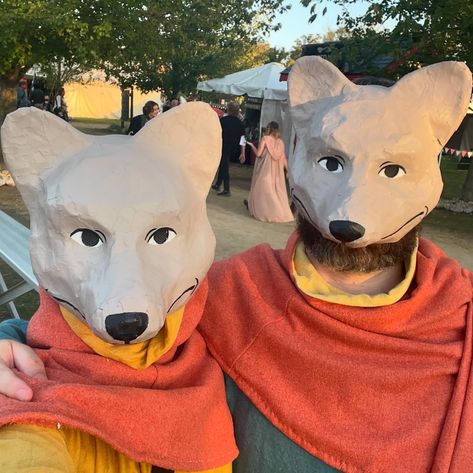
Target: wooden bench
14,250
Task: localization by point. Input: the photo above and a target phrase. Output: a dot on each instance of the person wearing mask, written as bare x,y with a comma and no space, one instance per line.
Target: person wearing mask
350,350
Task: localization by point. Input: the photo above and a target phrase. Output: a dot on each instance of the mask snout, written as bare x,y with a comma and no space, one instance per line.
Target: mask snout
346,231
126,326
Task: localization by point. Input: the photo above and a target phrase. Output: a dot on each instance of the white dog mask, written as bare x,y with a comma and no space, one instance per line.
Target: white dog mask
119,228
365,166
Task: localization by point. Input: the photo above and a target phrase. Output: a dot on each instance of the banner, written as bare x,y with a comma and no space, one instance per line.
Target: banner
463,152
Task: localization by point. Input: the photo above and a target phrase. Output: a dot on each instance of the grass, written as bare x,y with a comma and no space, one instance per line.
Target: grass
99,126
105,121
455,223
453,178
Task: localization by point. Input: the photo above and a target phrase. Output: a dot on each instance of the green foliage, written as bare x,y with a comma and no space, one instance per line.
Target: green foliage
151,44
420,32
181,42
315,38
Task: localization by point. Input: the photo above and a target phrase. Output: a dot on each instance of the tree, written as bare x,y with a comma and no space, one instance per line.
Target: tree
187,41
315,38
152,44
423,32
42,31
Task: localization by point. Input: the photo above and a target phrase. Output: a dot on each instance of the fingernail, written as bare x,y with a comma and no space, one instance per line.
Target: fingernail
23,395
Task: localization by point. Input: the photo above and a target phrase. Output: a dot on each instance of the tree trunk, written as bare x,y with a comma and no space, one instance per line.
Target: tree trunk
467,191
8,84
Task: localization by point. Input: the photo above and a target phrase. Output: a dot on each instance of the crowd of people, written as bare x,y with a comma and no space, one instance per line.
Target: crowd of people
268,198
267,201
34,95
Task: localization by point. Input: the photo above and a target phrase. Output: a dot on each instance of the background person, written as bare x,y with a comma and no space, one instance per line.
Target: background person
60,105
233,145
22,94
37,97
150,110
342,358
268,200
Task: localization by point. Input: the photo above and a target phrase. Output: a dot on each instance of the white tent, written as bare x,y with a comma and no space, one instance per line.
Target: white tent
259,82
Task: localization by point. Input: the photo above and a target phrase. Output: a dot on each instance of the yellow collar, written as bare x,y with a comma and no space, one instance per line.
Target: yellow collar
310,282
136,355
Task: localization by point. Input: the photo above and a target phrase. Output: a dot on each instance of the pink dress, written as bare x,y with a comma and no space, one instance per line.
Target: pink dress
268,200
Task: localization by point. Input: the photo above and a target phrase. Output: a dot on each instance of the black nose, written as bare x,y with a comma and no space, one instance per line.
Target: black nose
126,326
346,231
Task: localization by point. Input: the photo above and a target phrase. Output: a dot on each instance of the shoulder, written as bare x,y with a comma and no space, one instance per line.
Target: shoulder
433,264
246,292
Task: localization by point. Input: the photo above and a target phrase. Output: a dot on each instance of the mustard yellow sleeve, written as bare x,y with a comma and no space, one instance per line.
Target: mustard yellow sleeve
221,469
33,449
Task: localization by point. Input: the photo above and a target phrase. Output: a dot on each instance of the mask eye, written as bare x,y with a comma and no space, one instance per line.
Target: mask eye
160,236
331,164
86,237
392,171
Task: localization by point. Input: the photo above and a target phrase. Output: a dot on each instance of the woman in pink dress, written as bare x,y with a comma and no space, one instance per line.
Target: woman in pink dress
268,200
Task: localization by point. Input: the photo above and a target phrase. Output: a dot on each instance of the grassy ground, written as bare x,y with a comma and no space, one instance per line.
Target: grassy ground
235,230
453,178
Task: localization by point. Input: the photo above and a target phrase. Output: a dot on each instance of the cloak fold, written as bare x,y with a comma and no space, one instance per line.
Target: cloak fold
363,389
172,414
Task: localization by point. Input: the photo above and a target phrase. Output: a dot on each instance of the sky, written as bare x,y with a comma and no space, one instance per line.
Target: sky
295,23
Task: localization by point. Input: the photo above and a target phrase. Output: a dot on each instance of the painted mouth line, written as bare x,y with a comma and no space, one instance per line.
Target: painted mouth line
424,212
192,289
66,302
299,201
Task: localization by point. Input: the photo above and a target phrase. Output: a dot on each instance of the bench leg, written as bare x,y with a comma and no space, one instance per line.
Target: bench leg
5,297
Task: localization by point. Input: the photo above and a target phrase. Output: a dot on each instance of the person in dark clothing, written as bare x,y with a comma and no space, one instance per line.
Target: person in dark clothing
233,145
22,94
37,97
150,110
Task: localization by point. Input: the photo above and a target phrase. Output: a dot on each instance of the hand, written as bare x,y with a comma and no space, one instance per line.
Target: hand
242,158
22,357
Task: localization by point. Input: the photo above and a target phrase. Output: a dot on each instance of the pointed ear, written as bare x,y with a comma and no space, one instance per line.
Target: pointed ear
313,78
445,89
34,141
192,136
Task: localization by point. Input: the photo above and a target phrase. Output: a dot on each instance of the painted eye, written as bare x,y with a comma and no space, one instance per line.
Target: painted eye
392,171
86,237
331,164
160,236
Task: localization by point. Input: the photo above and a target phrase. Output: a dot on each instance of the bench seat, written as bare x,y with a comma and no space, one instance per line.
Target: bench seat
14,250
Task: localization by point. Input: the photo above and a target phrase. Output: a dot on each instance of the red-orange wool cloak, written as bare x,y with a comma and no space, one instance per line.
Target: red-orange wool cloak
172,414
373,390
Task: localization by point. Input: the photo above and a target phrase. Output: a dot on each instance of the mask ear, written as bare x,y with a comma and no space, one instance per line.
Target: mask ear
34,141
313,78
444,90
191,135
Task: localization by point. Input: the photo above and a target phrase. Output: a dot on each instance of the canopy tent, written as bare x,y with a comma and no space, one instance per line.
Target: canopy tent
261,83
